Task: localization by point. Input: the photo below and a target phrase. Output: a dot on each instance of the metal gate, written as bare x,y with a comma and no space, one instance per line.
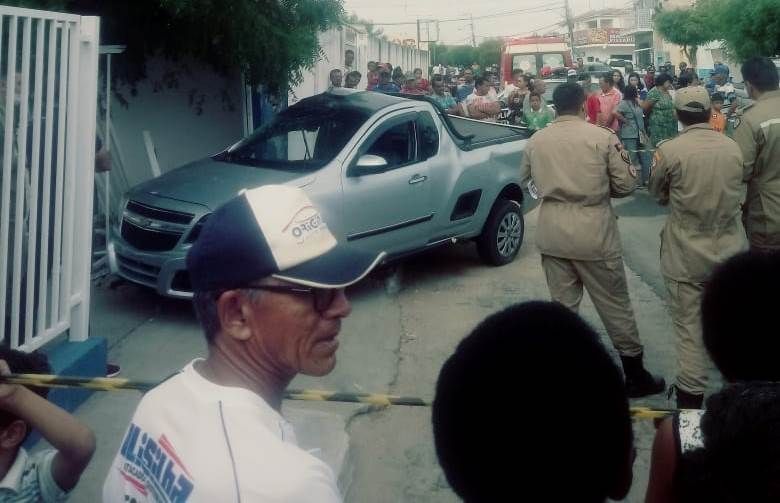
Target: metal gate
48,94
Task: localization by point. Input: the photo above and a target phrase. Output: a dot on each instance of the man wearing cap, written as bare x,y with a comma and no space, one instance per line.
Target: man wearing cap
720,84
576,168
268,280
758,136
698,175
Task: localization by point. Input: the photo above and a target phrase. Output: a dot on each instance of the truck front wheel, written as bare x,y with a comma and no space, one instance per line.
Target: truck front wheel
503,233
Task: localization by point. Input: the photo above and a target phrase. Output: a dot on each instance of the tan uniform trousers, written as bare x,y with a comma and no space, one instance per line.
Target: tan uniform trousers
606,283
693,363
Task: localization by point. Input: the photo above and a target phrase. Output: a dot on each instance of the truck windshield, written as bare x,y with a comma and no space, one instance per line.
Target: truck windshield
303,137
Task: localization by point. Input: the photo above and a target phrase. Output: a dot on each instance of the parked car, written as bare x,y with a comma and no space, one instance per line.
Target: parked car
595,71
388,174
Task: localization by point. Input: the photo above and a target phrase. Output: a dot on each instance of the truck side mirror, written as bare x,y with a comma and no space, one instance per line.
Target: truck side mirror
368,164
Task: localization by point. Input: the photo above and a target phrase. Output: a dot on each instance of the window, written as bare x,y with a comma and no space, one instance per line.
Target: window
427,136
306,136
552,60
606,23
525,62
396,145
592,25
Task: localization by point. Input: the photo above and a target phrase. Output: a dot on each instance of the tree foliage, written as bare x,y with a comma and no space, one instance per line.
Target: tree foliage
747,28
270,41
487,53
368,25
689,28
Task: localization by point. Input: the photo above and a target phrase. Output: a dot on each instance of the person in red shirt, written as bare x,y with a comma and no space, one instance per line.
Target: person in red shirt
609,99
650,77
420,83
592,103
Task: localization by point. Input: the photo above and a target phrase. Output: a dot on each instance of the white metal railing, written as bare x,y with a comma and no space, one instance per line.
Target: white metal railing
48,93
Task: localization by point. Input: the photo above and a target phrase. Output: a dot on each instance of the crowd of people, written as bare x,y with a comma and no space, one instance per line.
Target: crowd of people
467,92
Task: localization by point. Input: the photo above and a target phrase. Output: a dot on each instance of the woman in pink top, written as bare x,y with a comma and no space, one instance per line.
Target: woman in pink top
609,99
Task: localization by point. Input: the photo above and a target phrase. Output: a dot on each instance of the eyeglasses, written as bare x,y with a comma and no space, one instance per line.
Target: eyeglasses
322,298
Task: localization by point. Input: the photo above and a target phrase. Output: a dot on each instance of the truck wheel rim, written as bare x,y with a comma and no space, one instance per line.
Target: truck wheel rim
510,232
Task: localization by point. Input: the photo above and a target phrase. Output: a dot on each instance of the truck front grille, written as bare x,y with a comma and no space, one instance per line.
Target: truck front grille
153,229
148,240
161,214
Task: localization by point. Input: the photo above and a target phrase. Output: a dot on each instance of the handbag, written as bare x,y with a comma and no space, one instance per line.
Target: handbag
643,138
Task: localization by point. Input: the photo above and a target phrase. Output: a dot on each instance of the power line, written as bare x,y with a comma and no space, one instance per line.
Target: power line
536,30
530,10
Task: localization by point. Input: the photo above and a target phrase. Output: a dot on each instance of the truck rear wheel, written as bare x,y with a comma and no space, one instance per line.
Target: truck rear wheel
503,233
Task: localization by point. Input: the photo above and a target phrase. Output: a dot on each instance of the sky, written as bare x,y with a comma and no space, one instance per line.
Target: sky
492,18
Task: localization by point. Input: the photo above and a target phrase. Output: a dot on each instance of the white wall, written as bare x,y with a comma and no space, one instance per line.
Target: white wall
336,41
602,53
180,135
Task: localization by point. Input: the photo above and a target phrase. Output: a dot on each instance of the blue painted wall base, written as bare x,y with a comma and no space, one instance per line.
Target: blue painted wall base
86,358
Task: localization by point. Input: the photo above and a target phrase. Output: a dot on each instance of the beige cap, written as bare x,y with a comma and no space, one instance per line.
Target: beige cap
692,99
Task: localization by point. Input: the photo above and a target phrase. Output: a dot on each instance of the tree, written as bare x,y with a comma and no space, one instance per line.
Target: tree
368,25
489,52
689,28
270,41
454,55
748,28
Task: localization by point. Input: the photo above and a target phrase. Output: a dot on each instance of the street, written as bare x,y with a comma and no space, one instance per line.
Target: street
406,321
445,294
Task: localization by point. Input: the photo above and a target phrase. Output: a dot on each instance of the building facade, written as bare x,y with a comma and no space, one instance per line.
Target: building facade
604,34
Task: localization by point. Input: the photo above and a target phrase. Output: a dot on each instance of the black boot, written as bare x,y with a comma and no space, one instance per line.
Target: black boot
640,382
687,400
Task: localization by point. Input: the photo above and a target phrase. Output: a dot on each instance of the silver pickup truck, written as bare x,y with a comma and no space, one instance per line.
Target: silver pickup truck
389,173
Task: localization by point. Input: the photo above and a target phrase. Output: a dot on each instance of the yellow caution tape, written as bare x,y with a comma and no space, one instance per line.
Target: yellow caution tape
310,395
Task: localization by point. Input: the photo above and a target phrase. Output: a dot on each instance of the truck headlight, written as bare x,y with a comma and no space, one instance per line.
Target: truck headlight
195,232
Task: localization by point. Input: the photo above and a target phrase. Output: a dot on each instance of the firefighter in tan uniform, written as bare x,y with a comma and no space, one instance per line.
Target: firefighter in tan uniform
758,136
576,167
699,175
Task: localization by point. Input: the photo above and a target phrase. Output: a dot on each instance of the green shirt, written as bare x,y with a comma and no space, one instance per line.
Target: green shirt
538,119
663,121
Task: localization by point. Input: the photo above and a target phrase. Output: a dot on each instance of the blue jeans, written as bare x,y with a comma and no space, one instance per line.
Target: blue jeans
638,158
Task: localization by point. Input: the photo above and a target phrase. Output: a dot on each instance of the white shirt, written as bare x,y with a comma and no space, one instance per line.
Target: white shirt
30,479
507,92
191,440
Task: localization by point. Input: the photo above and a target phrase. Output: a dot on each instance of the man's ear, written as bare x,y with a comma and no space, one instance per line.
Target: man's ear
13,435
625,478
233,311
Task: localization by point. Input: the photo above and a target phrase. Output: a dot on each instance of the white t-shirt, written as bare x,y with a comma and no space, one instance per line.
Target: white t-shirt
30,479
191,440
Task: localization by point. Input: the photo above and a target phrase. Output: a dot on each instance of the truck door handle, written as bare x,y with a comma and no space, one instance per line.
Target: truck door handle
417,179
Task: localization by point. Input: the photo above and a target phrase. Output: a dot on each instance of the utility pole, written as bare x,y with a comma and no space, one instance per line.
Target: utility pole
473,37
570,26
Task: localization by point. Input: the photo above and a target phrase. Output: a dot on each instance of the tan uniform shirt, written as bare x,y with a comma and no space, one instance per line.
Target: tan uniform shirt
758,136
576,168
699,175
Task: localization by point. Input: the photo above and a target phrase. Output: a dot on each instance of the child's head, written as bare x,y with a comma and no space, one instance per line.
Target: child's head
505,382
739,310
13,429
717,101
740,459
536,101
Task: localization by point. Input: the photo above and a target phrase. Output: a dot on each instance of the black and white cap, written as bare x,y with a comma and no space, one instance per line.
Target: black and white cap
273,230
